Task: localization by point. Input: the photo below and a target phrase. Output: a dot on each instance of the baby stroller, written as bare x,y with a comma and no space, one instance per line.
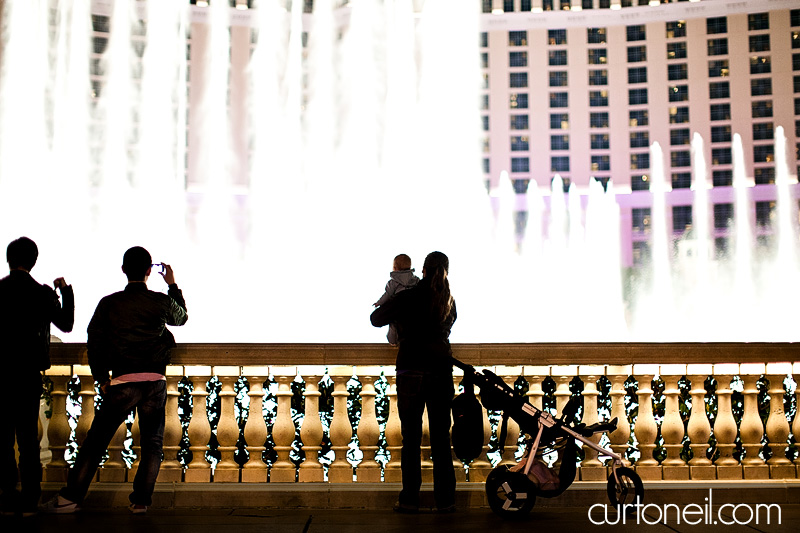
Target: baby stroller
512,491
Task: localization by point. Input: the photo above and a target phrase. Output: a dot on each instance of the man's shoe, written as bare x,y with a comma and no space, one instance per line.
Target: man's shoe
59,505
137,508
447,510
404,508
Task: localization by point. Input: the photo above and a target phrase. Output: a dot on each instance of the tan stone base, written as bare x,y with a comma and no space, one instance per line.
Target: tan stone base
729,472
649,473
392,475
306,475
461,474
427,473
675,473
371,474
782,472
228,475
593,473
197,475
703,472
479,474
278,474
111,475
55,474
336,474
170,475
756,471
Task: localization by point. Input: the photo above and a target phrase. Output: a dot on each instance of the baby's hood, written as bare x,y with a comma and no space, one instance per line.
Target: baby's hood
406,278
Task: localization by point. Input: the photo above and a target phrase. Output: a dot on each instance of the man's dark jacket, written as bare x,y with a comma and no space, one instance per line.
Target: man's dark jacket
127,333
423,338
26,311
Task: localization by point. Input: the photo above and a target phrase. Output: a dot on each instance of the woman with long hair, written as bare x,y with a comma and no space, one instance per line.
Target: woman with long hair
424,316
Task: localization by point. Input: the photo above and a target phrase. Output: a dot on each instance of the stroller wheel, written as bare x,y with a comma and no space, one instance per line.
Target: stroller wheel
510,494
628,492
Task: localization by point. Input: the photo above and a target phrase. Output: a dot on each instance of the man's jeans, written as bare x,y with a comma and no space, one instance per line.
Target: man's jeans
149,399
415,390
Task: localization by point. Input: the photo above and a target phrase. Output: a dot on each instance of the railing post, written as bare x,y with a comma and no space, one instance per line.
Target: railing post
426,463
198,470
341,432
725,425
311,431
255,429
777,426
591,467
227,470
58,429
672,428
171,469
796,422
115,469
618,374
394,438
86,394
510,375
752,429
699,428
136,447
458,465
479,468
283,432
645,428
368,431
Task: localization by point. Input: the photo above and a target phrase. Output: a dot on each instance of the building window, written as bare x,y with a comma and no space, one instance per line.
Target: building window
598,56
763,131
640,217
722,178
638,117
758,21
518,59
559,142
596,35
796,39
558,79
763,153
719,89
518,79
559,99
600,163
485,122
720,134
717,47
765,213
637,96
676,28
794,17
559,121
761,87
760,65
678,93
599,141
721,156
637,75
718,69
508,6
517,38
762,109
723,215
681,217
598,77
678,115
598,98
636,33
520,143
716,25
556,36
557,57
720,111
559,164
598,120
640,139
640,182
484,102
637,54
764,176
759,43
640,161
682,158
486,165
677,71
678,137
519,122
676,50
485,77
520,164
484,39
795,62
796,83
681,180
518,101
484,60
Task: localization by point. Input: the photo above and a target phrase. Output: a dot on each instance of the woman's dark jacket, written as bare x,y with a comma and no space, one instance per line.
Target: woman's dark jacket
423,339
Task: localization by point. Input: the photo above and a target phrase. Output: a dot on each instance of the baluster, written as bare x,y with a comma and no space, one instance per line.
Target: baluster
796,421
535,376
227,470
618,374
777,426
255,429
368,431
198,470
311,431
394,438
58,429
699,428
563,374
283,432
115,469
171,469
86,394
591,467
751,430
426,463
509,374
341,432
136,447
725,425
479,468
672,428
645,428
458,466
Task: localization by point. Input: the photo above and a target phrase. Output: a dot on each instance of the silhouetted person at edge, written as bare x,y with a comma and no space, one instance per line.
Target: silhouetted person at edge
26,311
128,338
424,315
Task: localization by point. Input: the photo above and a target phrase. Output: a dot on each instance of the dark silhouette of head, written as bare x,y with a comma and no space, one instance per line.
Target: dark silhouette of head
436,261
22,253
136,263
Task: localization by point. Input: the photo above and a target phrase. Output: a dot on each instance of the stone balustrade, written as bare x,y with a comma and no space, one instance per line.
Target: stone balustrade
685,411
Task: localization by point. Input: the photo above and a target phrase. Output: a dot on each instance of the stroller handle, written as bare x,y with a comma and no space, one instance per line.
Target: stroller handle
468,369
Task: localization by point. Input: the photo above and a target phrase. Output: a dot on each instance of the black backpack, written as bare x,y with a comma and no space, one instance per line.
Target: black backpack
467,424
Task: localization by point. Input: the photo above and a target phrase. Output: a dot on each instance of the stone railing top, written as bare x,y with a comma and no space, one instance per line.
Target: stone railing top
474,354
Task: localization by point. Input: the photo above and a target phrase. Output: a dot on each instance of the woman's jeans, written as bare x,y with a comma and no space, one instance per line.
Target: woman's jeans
149,399
415,391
